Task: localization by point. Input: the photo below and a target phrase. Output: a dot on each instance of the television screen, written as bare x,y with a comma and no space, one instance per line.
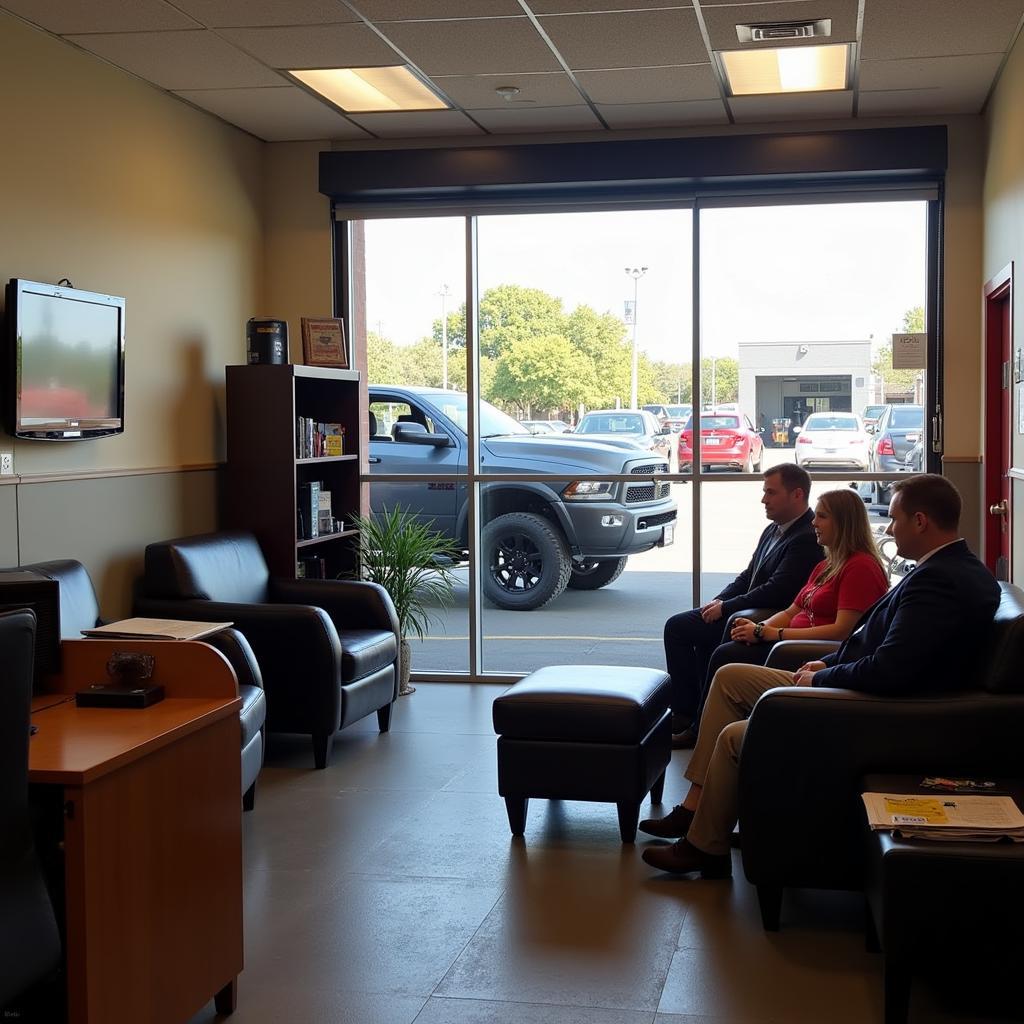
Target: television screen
68,348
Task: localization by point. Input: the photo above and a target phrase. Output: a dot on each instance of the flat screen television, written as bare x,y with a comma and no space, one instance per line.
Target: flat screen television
65,362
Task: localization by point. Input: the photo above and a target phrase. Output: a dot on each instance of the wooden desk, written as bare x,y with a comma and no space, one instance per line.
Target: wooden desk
152,835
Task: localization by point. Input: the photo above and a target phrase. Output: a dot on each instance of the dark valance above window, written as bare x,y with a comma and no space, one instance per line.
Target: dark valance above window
647,169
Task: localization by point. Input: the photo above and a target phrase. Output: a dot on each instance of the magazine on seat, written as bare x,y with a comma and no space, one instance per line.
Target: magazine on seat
946,816
156,629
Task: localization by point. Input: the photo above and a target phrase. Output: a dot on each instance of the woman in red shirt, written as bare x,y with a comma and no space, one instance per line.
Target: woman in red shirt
840,588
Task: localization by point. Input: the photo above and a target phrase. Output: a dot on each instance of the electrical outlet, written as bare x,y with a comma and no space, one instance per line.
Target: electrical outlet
6,463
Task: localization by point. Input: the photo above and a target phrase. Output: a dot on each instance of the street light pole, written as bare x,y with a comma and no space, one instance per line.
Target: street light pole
636,273
444,336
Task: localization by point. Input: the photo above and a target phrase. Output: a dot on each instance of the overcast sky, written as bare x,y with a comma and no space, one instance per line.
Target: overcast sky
799,273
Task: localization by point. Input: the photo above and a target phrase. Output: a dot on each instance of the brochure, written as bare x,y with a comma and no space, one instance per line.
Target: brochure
156,629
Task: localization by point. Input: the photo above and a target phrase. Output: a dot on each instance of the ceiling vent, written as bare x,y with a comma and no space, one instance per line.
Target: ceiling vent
776,31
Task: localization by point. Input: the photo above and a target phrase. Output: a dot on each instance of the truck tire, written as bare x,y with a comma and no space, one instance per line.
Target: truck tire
592,575
527,562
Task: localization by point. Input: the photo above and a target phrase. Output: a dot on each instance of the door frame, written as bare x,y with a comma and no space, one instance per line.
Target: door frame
998,431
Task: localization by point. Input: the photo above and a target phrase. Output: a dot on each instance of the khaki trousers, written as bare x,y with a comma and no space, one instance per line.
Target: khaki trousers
716,757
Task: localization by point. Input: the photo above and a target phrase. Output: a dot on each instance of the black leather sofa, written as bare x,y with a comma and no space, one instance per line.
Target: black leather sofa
806,751
327,649
79,609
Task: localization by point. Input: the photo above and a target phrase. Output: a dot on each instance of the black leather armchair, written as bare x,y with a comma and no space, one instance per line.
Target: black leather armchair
806,750
29,939
327,649
79,609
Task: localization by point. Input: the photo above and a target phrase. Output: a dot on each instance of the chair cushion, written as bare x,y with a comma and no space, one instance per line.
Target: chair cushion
364,651
589,703
225,567
1003,674
79,608
253,713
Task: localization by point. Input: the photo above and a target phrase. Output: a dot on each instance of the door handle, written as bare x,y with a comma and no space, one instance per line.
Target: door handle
999,509
374,460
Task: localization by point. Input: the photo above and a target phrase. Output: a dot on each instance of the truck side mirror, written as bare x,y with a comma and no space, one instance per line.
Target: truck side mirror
416,433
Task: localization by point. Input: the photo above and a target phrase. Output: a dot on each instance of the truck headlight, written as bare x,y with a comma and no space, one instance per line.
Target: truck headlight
589,490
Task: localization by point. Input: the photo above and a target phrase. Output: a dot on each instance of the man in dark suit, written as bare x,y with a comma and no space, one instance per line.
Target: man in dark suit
899,648
782,561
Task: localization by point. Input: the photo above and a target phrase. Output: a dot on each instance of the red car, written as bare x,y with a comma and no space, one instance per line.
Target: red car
726,439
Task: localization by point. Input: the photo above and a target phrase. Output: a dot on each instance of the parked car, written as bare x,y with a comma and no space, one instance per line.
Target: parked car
833,439
538,536
899,428
727,439
636,425
913,461
660,412
546,426
678,415
870,416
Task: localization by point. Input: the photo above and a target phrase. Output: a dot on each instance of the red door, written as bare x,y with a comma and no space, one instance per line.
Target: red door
999,388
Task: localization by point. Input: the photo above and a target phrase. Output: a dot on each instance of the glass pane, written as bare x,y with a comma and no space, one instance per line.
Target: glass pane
581,571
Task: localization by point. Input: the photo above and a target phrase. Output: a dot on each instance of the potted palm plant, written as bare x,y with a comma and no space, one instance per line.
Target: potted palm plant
412,563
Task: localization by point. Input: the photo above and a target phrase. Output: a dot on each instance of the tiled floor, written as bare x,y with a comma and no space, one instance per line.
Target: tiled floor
387,889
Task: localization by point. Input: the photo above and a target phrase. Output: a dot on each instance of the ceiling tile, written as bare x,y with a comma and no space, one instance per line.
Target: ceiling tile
792,107
419,10
594,6
321,46
972,75
230,13
547,89
63,18
937,28
538,119
277,115
663,115
650,85
489,45
914,101
640,39
721,21
179,60
422,124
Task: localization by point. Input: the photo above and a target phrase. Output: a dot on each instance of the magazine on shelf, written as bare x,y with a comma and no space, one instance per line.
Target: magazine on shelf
946,816
156,629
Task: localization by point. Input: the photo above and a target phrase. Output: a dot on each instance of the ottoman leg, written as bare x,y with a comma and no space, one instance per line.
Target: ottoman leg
516,807
897,992
629,817
658,789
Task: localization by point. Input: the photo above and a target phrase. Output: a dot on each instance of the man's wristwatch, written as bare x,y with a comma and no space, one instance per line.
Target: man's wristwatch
758,630
780,631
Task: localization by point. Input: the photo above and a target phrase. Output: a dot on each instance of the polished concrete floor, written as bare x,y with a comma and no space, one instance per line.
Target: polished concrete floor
387,890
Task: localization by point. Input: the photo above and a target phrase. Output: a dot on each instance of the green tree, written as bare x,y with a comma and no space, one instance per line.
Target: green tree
673,382
541,373
726,379
899,380
383,360
507,312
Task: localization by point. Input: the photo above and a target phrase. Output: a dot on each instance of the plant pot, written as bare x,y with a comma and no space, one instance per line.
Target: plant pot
404,669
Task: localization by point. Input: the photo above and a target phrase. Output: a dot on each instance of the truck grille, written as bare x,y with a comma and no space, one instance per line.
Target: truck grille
651,491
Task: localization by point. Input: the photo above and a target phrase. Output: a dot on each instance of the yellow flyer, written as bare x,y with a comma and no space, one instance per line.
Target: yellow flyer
916,810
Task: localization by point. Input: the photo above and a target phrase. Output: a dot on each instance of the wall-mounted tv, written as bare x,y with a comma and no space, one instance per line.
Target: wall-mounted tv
65,362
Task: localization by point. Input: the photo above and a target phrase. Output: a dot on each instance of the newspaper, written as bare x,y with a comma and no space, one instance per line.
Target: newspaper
948,816
156,629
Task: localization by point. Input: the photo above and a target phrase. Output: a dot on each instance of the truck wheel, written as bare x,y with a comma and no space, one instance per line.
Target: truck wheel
528,563
592,575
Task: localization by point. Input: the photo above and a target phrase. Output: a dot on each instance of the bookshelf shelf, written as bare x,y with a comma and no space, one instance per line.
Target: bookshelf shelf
326,538
321,459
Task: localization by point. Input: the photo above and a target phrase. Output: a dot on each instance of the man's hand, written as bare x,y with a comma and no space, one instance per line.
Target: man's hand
804,675
743,631
712,611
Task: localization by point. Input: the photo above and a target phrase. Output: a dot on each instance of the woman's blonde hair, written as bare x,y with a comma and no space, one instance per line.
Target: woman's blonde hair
851,531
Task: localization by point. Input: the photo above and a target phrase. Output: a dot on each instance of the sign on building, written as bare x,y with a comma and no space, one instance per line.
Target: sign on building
630,311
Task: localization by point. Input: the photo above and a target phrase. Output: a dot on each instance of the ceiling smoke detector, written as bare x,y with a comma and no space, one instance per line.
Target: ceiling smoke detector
508,92
776,31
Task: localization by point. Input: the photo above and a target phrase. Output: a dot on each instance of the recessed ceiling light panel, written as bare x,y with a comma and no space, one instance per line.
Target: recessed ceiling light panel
371,89
786,70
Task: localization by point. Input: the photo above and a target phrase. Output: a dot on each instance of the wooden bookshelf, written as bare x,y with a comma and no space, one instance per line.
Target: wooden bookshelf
264,472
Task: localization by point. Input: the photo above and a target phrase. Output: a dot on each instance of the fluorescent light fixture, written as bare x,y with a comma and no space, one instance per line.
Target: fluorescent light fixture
787,69
366,89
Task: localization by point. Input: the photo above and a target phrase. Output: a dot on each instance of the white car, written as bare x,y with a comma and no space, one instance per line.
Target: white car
832,439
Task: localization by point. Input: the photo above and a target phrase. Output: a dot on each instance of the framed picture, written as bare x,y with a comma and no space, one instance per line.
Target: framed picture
323,342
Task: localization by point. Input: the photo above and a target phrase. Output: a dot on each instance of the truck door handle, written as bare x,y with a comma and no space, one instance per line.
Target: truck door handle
374,460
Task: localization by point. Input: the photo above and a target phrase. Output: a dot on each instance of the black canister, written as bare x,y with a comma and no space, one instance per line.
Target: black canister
266,340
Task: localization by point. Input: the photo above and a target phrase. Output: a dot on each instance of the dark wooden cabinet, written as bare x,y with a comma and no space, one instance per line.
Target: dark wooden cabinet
265,474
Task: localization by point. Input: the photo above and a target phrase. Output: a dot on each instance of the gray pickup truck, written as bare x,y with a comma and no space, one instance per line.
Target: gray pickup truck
538,537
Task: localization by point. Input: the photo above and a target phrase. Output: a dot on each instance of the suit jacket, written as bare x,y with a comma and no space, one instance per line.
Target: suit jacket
774,581
927,633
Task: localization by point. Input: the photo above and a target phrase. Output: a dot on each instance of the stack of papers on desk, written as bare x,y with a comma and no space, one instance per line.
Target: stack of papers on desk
156,629
949,817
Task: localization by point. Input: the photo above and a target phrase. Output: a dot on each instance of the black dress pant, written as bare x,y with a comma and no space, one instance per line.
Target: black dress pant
689,644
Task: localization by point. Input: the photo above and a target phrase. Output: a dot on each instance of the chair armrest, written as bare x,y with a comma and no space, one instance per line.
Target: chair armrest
754,614
806,750
351,604
233,645
791,654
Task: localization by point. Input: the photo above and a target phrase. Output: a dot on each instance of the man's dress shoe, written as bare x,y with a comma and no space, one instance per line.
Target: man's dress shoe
682,858
673,826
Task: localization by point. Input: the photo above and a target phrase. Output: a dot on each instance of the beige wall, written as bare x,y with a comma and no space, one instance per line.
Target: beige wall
120,188
1004,235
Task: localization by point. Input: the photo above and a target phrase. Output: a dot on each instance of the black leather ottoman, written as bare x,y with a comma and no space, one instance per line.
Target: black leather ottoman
931,900
574,732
